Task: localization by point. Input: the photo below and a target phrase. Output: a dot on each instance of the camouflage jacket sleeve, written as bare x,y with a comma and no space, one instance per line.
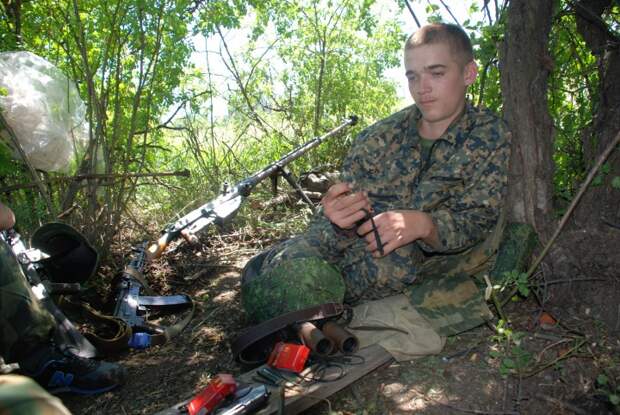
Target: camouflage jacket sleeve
358,169
466,213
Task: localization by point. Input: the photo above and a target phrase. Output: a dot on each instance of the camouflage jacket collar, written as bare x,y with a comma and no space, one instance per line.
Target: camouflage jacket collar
463,122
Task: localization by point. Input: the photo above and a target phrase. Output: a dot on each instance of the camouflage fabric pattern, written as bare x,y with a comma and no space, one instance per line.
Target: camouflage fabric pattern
295,284
20,395
24,324
516,247
461,185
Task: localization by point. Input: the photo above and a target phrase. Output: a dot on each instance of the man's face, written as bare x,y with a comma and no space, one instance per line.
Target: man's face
437,82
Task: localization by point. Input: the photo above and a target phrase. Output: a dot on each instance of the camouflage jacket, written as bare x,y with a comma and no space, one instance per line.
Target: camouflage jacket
460,184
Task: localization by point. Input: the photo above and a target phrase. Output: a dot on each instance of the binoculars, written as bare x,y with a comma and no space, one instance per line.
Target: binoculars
330,338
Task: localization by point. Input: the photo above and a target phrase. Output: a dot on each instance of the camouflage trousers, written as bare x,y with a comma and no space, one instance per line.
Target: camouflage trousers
24,324
20,395
443,288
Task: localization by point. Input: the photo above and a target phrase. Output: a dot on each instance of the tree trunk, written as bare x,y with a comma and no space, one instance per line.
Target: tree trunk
591,247
524,67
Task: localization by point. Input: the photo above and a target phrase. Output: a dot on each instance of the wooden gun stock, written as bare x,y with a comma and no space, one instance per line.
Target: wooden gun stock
155,250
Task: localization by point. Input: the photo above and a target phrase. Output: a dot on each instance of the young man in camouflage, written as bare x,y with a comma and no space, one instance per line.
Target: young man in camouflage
420,192
26,338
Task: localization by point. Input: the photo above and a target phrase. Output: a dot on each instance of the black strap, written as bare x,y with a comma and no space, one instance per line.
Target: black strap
248,347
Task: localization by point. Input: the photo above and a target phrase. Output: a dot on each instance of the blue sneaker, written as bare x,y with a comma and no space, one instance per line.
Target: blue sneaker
62,371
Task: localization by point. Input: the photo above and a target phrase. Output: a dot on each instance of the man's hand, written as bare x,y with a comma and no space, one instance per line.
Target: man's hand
344,208
7,217
397,228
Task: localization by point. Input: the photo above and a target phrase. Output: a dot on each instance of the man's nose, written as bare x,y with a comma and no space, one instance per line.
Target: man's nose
424,86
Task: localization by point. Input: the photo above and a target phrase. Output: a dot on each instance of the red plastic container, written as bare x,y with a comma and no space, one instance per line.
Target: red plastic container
210,397
289,356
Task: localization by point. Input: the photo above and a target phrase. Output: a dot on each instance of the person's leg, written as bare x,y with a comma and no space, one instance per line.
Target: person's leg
20,395
365,277
24,324
26,338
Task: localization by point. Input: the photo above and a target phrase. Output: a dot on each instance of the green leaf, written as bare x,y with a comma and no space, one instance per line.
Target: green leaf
614,399
605,168
602,379
4,92
615,183
508,363
598,180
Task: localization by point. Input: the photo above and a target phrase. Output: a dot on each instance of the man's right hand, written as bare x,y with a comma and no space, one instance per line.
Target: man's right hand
344,208
7,217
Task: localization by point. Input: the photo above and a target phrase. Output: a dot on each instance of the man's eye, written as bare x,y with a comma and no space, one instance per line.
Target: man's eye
437,74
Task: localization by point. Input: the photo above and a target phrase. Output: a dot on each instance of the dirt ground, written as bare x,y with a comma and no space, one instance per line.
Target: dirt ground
548,368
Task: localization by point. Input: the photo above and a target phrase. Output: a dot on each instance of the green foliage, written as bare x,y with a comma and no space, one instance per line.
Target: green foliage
512,279
572,94
600,177
512,357
6,161
128,58
324,61
608,387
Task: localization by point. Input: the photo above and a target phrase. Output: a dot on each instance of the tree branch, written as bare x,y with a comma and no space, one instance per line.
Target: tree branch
417,22
80,177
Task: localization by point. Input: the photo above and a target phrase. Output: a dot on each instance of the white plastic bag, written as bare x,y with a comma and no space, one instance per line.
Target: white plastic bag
44,109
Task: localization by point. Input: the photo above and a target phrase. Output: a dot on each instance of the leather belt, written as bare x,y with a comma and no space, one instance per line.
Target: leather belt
254,344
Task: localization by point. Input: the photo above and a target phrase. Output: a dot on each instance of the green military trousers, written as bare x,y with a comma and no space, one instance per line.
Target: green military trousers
24,324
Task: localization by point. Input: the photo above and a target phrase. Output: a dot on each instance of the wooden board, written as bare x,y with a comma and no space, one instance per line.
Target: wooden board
300,396
303,396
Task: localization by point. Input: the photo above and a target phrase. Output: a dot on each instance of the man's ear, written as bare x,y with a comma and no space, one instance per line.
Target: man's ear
470,71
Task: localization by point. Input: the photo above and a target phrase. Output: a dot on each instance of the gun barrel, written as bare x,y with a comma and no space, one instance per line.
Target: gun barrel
246,185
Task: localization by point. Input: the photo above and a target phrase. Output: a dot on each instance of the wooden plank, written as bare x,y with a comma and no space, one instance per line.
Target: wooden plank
302,396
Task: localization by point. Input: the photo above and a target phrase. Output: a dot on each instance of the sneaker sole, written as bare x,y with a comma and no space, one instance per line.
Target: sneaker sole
79,391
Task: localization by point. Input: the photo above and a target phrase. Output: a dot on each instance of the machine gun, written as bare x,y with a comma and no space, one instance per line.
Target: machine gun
66,334
226,205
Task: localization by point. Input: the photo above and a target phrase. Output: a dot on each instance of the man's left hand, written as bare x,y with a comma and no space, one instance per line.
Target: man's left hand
397,228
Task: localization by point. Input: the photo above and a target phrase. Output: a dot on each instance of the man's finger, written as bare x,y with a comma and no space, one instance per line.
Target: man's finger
336,190
346,221
355,206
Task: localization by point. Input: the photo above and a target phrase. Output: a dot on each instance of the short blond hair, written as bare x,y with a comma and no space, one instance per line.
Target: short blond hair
447,33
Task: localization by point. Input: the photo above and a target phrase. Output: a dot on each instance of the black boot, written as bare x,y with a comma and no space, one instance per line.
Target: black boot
61,371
